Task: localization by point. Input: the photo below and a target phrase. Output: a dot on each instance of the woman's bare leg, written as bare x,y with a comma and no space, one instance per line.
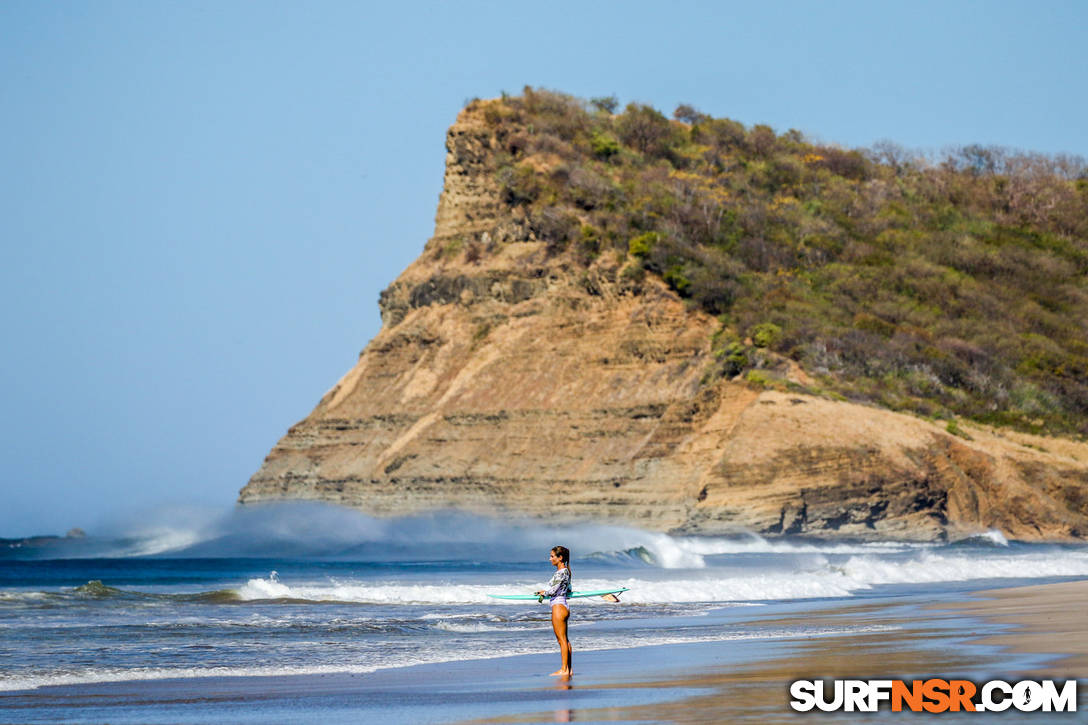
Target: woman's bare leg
560,614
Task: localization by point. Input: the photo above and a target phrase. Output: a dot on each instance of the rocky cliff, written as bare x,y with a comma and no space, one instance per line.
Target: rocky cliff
511,378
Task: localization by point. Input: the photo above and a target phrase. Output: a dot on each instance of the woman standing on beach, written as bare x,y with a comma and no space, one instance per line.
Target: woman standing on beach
559,589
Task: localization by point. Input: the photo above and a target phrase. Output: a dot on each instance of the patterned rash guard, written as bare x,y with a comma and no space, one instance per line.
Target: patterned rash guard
559,586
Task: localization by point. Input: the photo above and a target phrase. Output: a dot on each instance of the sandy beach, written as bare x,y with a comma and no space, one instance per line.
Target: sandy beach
1045,619
1017,633
1009,633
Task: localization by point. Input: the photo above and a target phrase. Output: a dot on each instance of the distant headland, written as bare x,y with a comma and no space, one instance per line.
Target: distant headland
692,326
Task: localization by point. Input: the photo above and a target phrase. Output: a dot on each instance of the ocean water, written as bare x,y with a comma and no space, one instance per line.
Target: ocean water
303,589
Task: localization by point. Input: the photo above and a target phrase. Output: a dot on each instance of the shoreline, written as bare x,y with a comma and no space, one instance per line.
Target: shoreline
1010,633
1042,619
1036,631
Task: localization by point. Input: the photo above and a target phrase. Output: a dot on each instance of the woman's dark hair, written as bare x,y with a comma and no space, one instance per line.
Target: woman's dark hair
563,553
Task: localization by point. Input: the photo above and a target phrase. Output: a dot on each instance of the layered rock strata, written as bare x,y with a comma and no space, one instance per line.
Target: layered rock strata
509,379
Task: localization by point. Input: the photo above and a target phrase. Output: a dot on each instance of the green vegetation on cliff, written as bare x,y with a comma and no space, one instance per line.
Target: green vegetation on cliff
945,288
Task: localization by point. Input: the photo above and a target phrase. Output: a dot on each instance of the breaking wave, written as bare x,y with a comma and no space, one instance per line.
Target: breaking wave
817,577
309,530
316,530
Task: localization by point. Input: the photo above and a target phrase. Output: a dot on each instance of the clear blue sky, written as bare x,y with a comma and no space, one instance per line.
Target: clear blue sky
201,201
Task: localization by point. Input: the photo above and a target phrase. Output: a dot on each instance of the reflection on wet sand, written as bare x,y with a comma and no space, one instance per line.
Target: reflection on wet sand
961,640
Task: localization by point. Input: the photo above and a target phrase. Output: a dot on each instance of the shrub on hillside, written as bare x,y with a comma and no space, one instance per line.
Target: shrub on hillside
646,129
952,286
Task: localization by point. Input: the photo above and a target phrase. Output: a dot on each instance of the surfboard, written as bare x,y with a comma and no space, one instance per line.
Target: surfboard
573,595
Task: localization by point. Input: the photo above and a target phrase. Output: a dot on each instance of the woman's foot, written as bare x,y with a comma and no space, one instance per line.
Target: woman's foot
561,673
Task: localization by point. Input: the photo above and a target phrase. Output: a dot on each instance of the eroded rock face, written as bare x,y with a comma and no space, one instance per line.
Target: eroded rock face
509,379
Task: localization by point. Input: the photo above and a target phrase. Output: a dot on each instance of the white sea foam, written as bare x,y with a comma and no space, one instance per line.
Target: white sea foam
367,593
994,536
931,567
820,576
670,552
270,588
486,650
749,587
753,544
476,627
23,596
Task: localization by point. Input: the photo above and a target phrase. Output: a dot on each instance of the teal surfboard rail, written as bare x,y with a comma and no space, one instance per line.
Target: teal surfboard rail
572,595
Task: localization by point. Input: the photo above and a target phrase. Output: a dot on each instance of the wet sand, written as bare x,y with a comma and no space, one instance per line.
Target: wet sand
1004,634
1049,618
1032,632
